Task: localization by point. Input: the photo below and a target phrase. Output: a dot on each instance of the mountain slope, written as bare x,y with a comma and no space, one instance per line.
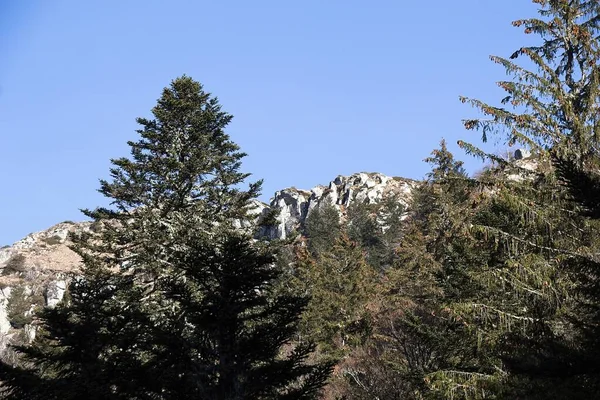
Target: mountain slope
35,271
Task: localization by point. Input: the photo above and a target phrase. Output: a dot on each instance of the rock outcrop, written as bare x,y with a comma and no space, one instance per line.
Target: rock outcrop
34,273
295,205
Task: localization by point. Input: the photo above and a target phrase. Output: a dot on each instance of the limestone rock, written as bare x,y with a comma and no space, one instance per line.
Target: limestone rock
55,292
4,322
292,205
522,168
295,205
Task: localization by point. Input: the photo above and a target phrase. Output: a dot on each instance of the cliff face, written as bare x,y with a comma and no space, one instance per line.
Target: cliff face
295,205
35,271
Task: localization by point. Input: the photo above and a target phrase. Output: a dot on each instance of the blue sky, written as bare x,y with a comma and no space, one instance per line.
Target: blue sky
317,88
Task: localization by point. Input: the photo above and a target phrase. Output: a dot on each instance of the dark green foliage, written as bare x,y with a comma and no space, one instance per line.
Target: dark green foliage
73,355
376,228
19,307
364,228
172,303
341,285
227,330
390,217
322,228
363,225
582,181
580,350
442,209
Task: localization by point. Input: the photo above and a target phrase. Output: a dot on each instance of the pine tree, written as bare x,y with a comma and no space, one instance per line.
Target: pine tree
154,266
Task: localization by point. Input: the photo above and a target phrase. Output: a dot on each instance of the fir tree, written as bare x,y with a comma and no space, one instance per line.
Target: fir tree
322,228
364,228
163,259
224,334
527,311
341,285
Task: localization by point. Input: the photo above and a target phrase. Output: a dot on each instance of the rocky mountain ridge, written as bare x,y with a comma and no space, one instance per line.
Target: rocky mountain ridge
295,205
35,271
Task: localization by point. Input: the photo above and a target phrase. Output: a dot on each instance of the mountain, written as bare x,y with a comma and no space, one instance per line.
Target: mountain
36,270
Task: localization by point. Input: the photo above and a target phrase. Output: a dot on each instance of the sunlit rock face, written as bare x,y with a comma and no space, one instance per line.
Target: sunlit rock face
523,167
34,273
295,205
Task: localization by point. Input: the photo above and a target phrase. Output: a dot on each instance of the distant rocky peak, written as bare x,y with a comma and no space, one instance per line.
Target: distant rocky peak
295,205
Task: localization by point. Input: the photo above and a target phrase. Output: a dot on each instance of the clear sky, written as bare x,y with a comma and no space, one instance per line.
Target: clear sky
317,88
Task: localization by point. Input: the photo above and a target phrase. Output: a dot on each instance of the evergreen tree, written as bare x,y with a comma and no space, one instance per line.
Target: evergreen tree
161,261
533,285
417,341
583,184
341,285
434,246
364,228
224,334
413,337
322,228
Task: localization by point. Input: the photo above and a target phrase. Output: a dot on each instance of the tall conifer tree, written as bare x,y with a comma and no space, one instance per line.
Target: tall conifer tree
174,301
527,311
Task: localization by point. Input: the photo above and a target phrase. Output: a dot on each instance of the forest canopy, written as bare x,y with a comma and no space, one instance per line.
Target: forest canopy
483,287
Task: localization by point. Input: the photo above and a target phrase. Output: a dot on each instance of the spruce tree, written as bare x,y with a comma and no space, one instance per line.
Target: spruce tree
159,263
528,311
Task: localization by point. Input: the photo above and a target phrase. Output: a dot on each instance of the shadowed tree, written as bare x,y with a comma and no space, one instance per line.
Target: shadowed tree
536,281
171,292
